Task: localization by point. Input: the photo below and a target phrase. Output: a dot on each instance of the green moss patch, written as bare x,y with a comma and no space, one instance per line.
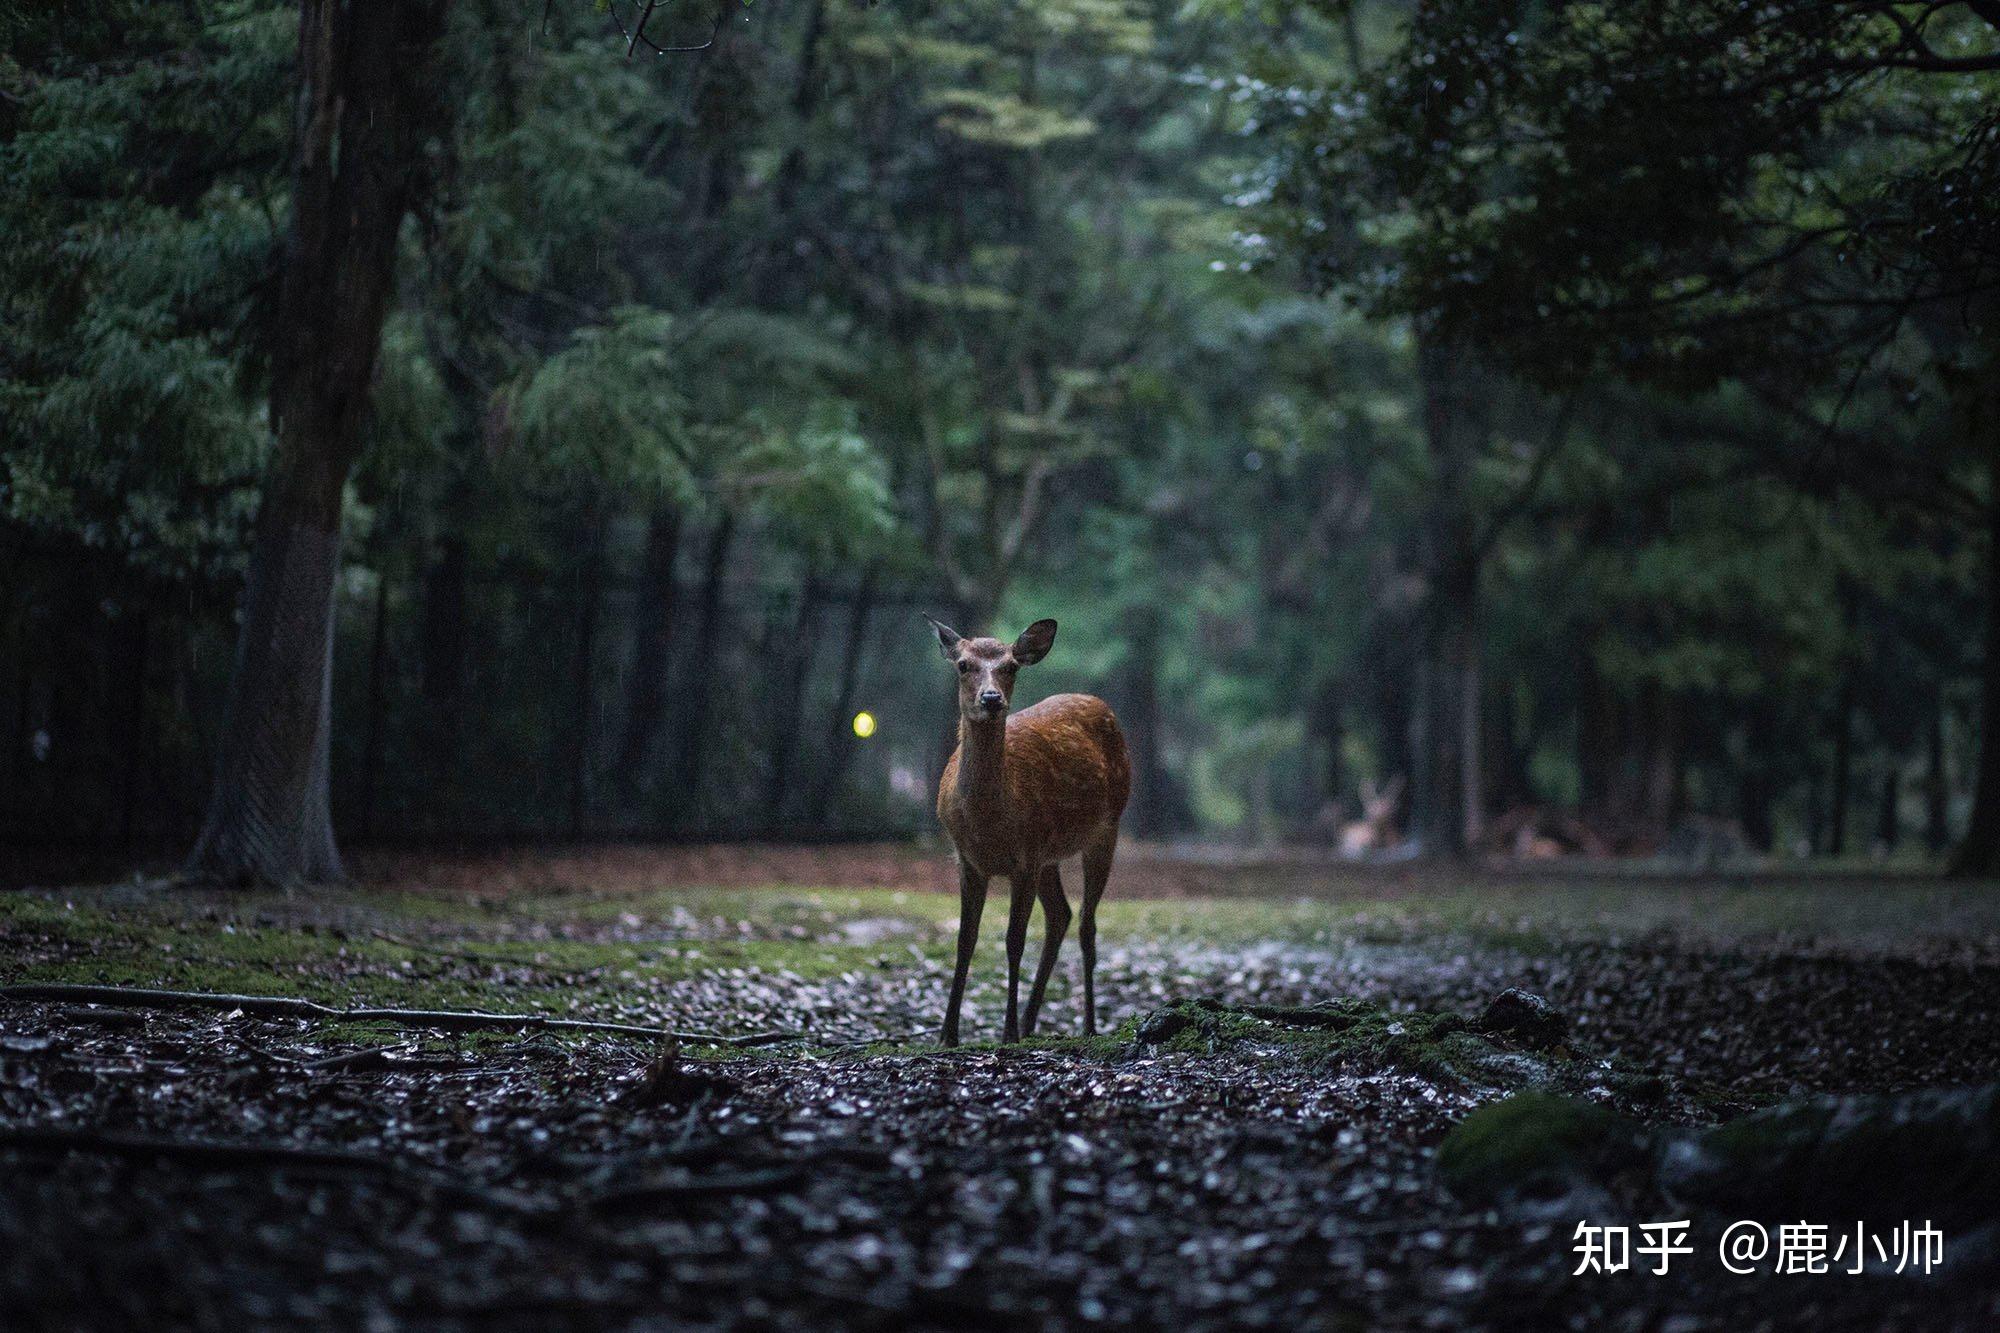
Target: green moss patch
256,948
1441,1046
1537,1144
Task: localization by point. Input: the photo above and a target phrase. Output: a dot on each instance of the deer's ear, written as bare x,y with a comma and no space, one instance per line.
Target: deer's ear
1035,642
947,638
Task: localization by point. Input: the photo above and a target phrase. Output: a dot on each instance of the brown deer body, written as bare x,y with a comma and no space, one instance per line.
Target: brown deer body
1022,792
1375,831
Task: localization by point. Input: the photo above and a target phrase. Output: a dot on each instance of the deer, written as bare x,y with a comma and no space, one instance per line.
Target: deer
1375,831
1022,792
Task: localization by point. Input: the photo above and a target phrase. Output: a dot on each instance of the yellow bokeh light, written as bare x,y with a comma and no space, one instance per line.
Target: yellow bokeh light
864,725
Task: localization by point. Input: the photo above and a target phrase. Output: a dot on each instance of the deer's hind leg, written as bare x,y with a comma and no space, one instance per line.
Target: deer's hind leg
1096,873
1055,916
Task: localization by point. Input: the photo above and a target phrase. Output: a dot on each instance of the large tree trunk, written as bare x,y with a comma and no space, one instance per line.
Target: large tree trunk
1888,824
1446,804
692,742
365,106
1507,784
1756,792
130,654
590,592
1660,795
1327,734
1153,804
1979,852
1937,790
1843,767
1471,725
653,614
840,730
1394,676
1596,737
445,633
378,699
793,663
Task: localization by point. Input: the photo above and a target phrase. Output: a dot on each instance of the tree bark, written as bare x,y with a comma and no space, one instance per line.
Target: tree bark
1471,727
1596,738
1843,767
793,661
652,642
689,752
1392,669
1446,803
366,104
1888,826
1152,803
1327,732
1937,790
1661,793
378,698
1507,785
1978,852
130,646
1755,793
442,666
840,731
589,594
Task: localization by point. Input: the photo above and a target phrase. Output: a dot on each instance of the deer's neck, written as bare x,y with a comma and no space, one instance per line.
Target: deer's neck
982,767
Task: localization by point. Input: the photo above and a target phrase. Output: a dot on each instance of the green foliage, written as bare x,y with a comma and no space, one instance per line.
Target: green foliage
1537,1144
1229,333
608,407
142,220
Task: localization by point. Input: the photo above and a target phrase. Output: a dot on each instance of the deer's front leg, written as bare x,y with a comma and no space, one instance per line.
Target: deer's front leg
971,903
1018,908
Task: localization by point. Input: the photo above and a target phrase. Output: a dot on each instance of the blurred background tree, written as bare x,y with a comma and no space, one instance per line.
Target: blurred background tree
1583,415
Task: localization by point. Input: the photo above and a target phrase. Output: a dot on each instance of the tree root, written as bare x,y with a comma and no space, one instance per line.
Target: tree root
342,1164
450,1020
324,1162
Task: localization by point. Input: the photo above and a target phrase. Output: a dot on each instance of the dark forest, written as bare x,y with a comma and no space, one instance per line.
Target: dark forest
592,595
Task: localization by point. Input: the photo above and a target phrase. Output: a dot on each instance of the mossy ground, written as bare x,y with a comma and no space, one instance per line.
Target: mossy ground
397,949
1259,1114
869,963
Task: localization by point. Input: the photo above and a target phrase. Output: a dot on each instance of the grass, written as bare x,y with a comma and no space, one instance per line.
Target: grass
578,953
246,949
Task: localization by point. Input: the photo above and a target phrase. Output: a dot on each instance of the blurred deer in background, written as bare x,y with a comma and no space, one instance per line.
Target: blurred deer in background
1019,794
1375,831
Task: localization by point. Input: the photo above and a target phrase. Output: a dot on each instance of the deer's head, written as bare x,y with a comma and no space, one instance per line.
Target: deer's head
986,667
1378,807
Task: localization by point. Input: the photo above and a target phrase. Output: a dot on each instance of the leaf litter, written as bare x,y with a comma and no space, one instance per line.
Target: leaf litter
206,1169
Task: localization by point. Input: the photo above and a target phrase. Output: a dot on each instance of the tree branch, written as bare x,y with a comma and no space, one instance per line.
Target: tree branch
1524,495
279,1156
449,1020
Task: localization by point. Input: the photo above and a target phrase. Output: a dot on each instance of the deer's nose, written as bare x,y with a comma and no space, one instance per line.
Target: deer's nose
992,698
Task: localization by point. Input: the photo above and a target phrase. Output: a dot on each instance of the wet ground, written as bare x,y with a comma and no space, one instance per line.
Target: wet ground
166,1166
